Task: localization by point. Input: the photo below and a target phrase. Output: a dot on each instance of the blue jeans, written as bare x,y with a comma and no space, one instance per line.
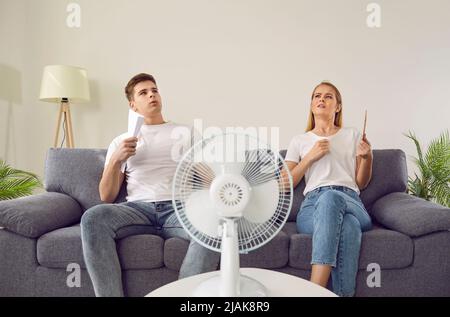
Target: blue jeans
99,227
336,218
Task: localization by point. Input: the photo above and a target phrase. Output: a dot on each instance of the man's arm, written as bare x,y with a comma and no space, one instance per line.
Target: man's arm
112,177
111,182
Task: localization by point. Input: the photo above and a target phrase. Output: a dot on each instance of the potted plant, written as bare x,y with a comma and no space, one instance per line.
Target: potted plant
434,169
15,183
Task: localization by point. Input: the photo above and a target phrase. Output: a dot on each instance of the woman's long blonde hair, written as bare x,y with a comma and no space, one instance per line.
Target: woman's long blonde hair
338,117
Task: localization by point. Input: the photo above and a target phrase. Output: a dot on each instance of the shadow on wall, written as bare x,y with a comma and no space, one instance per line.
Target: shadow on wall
10,94
87,128
96,129
93,104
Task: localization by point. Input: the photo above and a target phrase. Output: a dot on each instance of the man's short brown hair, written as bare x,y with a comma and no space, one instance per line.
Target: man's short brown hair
129,88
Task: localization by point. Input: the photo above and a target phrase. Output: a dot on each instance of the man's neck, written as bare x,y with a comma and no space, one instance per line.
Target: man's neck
158,119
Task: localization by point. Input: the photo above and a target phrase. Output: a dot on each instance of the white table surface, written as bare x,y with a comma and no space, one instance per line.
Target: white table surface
278,285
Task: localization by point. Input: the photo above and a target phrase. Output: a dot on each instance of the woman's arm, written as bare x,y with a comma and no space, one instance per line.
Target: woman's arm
364,160
298,170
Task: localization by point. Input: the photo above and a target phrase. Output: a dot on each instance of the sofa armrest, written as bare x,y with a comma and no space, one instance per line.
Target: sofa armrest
32,216
410,215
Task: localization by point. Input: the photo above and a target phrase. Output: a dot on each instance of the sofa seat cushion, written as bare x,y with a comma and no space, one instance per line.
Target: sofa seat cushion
387,248
174,252
141,250
273,254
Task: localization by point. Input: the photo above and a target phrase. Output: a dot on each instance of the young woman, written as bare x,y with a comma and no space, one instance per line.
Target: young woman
336,163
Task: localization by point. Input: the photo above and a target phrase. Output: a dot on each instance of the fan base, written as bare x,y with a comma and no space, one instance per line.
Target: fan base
248,287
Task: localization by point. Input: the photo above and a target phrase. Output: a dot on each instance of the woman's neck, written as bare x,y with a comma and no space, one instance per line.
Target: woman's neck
325,127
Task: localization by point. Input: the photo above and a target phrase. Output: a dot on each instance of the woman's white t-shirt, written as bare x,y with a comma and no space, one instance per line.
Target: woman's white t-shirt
150,172
338,167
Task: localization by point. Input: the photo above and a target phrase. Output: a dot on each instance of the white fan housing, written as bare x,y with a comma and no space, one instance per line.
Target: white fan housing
230,194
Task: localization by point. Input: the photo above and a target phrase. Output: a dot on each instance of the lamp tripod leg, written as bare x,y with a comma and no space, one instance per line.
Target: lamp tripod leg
69,127
58,125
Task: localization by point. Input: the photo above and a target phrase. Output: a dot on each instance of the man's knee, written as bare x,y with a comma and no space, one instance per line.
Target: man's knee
95,215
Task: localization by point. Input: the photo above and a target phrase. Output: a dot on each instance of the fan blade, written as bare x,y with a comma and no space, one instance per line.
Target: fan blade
234,167
220,168
201,213
222,156
263,202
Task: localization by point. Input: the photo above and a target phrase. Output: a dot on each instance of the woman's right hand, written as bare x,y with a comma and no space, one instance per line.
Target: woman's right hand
126,149
319,149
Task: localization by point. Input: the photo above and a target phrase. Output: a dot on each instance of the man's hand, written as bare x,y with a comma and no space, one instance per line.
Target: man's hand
364,149
319,149
125,150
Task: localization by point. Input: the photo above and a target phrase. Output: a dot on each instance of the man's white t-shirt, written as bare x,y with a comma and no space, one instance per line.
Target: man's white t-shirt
150,172
338,167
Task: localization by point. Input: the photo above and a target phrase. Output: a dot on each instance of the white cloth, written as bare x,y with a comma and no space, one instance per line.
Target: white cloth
338,167
150,172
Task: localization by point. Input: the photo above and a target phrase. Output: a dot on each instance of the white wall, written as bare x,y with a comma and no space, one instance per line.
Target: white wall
228,62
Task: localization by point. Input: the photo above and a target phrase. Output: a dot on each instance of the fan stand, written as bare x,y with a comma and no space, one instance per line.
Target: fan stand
229,282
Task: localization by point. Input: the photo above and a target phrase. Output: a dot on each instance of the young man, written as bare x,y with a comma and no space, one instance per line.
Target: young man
151,161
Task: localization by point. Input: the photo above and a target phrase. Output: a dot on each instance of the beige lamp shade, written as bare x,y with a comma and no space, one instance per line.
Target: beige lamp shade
61,81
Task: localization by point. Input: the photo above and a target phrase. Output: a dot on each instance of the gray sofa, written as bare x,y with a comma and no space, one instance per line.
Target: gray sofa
410,240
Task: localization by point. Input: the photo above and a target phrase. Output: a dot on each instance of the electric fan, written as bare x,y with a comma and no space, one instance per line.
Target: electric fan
230,195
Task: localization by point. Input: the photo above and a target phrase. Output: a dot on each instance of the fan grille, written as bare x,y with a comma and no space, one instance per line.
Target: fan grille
261,165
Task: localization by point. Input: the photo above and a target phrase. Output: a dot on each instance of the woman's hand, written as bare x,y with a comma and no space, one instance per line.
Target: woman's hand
126,149
319,149
364,149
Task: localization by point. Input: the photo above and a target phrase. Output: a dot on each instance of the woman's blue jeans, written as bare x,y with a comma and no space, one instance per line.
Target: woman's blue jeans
335,217
99,227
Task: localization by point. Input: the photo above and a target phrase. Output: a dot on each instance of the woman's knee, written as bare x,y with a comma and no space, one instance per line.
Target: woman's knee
350,223
331,202
304,220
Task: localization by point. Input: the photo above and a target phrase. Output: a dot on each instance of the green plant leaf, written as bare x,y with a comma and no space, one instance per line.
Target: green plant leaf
15,183
434,167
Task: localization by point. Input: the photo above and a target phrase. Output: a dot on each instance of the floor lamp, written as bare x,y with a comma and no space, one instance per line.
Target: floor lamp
64,84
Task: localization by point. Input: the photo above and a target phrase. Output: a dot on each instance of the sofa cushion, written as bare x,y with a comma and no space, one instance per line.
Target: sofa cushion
389,175
389,249
174,251
411,215
273,254
34,215
58,248
77,173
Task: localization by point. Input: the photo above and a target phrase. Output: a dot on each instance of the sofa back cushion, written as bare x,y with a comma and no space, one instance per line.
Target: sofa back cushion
77,173
389,175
